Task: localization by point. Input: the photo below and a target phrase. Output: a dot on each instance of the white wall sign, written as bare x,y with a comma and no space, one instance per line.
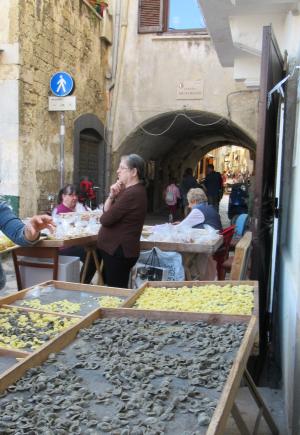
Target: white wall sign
58,104
190,90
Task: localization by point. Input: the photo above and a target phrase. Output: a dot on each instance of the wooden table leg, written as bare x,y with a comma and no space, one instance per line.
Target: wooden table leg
187,258
99,267
91,252
239,420
85,266
260,403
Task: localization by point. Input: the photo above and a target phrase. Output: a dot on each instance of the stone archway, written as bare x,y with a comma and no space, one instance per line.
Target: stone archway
90,152
173,141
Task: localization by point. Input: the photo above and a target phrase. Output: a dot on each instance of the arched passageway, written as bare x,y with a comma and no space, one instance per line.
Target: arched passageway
173,141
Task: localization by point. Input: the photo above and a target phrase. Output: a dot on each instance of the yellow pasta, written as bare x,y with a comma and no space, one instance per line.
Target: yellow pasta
228,299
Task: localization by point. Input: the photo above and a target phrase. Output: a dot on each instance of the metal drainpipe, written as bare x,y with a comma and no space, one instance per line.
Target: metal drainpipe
116,69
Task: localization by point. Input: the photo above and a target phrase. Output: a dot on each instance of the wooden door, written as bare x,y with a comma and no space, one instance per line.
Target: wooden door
265,177
91,162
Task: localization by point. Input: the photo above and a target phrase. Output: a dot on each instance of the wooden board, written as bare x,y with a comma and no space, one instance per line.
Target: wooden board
241,257
13,352
203,248
66,243
177,284
9,249
226,400
183,316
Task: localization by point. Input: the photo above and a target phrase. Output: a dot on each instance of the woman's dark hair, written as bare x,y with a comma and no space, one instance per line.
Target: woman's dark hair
136,161
66,190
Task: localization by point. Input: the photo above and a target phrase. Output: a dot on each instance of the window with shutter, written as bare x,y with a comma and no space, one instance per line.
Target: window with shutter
150,16
170,16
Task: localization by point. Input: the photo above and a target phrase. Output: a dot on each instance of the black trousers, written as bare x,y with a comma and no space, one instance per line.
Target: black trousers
79,251
117,268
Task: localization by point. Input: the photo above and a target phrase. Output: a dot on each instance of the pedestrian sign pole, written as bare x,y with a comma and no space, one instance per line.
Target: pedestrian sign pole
61,85
62,149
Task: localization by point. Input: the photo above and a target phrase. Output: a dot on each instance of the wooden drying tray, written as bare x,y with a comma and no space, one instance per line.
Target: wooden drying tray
70,286
178,284
228,395
32,310
38,356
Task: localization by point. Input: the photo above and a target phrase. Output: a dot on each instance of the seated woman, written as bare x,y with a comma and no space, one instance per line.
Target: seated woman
201,213
201,216
68,203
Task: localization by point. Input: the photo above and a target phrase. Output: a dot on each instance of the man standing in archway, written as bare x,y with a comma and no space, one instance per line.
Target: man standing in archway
214,186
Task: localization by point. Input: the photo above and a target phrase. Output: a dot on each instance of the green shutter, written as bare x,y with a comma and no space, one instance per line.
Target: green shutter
150,16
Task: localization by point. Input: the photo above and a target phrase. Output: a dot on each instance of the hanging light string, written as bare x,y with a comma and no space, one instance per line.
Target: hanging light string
174,120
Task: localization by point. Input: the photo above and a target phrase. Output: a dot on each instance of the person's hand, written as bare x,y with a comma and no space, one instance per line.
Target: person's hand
176,223
115,189
37,224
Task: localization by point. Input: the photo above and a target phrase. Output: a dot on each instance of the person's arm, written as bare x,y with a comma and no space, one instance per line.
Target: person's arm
17,231
118,208
195,217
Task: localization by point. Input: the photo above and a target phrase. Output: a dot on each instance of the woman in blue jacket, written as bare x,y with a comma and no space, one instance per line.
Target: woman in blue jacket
18,232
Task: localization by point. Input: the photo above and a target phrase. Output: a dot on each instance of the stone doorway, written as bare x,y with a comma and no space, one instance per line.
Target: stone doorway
90,153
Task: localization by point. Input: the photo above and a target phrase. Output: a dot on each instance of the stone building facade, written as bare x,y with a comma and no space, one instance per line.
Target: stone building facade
174,101
37,39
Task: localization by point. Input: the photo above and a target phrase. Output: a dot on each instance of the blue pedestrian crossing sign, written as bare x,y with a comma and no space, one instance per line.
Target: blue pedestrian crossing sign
61,84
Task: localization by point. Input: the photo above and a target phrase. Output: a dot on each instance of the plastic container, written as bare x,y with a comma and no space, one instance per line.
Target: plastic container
68,270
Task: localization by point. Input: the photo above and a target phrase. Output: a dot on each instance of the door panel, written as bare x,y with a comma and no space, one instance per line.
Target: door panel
265,177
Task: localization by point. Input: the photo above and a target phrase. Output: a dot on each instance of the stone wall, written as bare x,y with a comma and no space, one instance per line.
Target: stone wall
55,35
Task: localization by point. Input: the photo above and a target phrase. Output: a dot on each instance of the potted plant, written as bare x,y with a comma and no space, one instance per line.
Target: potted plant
99,5
102,4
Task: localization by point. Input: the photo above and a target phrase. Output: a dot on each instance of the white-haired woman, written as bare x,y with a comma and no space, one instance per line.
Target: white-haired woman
201,212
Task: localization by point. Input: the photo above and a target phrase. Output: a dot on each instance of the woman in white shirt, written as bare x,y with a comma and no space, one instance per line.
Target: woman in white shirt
201,212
